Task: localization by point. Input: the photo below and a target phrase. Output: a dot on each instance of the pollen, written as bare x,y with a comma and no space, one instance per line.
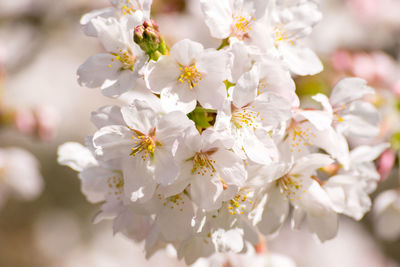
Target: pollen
126,7
190,75
289,186
203,165
115,186
300,137
144,145
241,25
173,202
126,57
240,203
281,35
246,118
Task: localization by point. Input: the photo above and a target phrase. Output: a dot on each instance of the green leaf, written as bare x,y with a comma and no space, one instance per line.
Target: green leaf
395,141
202,118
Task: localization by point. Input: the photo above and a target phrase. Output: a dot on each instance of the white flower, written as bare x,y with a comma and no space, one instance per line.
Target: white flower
174,216
296,184
311,129
191,74
129,10
284,30
99,183
143,143
215,233
232,18
209,167
387,215
349,189
270,76
249,118
352,115
116,71
19,175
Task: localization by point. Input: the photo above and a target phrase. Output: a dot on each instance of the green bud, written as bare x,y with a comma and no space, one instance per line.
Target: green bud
150,40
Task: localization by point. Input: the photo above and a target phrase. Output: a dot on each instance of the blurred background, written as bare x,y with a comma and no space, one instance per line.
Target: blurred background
42,106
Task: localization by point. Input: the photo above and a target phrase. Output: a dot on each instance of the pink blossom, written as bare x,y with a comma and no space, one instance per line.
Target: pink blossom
385,163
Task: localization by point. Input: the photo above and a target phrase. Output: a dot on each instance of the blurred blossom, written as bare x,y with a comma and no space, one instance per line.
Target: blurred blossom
376,11
352,247
19,175
250,258
387,215
47,120
56,232
386,163
25,121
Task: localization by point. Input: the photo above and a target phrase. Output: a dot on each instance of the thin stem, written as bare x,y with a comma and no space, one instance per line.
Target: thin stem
224,43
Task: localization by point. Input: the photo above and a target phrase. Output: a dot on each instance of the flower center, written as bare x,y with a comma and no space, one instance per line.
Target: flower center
240,203
126,7
246,118
289,186
300,137
189,75
144,143
173,202
202,164
241,25
336,111
126,57
116,186
281,35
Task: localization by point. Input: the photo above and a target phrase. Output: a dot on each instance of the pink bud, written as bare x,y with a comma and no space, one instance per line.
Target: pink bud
386,163
47,122
341,60
25,121
396,88
364,67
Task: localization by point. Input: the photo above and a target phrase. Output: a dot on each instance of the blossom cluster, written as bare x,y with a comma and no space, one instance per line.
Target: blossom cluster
19,169
214,146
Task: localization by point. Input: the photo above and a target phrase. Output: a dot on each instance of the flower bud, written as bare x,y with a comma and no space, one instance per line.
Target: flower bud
150,39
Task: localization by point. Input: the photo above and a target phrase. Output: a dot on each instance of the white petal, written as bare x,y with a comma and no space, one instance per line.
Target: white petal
113,142
205,192
96,70
175,222
139,183
86,20
164,74
301,60
123,82
311,162
178,100
211,93
275,211
94,183
228,241
245,90
218,17
230,167
140,116
367,153
108,115
172,126
75,156
349,89
165,169
131,224
185,52
256,150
